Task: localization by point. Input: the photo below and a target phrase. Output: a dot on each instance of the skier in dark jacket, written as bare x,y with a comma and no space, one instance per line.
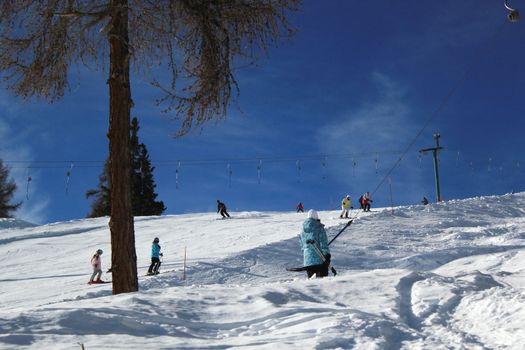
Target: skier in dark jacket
314,243
155,258
221,208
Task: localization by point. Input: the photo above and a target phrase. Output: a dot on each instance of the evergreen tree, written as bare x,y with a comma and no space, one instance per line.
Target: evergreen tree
7,190
143,186
102,204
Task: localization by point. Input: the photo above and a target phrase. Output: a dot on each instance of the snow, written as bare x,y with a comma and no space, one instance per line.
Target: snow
442,276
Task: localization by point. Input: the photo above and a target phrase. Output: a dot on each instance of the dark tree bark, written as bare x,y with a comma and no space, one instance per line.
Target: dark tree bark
123,254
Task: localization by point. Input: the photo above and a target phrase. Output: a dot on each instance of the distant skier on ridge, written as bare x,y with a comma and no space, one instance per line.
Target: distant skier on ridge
314,243
346,206
221,208
300,208
366,201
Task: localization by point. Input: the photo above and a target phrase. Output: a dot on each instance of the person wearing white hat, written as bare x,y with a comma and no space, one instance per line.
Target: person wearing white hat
314,243
346,206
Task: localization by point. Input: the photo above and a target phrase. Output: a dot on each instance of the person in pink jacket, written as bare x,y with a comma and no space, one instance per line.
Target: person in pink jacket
96,263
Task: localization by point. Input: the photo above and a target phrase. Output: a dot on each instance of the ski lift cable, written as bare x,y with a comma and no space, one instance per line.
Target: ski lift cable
432,116
64,164
454,88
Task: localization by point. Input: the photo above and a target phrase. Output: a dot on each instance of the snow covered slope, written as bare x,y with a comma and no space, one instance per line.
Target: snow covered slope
442,276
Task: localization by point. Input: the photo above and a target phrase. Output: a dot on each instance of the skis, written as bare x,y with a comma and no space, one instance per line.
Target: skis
98,282
303,268
152,273
162,272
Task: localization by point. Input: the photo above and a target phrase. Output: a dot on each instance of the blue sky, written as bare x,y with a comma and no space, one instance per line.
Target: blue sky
325,114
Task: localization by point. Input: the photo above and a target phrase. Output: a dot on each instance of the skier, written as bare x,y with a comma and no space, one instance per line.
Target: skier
300,207
424,201
155,257
346,206
221,208
361,202
96,263
313,243
366,201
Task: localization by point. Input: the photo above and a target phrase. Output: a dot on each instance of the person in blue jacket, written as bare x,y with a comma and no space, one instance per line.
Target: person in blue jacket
314,240
155,257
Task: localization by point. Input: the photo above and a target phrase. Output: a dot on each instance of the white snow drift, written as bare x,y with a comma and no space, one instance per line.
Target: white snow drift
448,275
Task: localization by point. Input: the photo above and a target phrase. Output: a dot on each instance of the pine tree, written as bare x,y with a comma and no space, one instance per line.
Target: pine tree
7,190
143,186
102,204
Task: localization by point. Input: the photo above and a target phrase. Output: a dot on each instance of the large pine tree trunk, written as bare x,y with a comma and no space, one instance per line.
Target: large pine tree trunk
123,255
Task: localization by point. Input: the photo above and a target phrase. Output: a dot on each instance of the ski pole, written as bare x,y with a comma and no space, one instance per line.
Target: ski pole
344,228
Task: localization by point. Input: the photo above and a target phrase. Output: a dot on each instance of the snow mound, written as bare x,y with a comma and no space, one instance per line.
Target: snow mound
8,223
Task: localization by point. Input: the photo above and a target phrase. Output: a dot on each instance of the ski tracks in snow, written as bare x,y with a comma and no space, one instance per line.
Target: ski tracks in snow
427,303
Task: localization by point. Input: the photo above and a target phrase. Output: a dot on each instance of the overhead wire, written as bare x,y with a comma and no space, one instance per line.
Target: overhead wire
298,159
51,164
432,116
437,111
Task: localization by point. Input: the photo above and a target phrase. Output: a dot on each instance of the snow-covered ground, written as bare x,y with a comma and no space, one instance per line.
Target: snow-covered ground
442,276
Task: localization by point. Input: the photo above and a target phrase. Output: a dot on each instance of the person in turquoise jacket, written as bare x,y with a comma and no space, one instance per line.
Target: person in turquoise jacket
155,258
314,236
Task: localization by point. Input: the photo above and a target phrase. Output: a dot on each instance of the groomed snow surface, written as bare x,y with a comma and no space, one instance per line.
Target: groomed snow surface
442,276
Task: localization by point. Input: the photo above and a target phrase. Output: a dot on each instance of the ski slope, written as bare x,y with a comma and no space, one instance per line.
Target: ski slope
442,276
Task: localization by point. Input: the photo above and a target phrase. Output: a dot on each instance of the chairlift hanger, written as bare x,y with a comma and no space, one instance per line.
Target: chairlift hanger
514,15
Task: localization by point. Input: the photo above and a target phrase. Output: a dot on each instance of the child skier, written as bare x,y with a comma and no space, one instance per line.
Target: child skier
96,263
155,258
313,243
